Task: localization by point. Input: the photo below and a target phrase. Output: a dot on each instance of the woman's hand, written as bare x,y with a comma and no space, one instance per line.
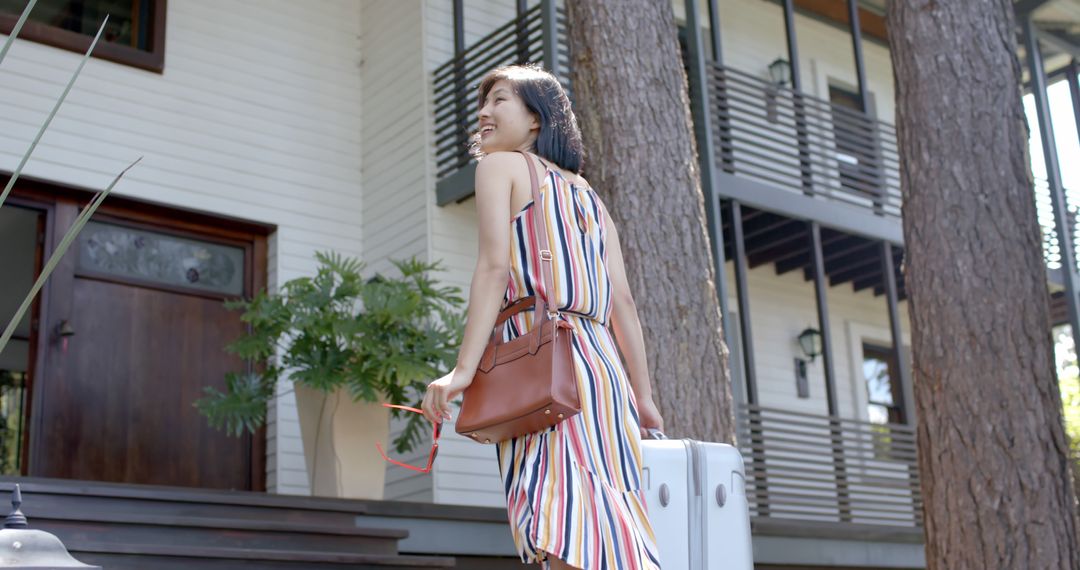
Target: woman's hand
649,416
436,404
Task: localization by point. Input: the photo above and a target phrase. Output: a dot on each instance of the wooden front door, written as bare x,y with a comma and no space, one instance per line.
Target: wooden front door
135,328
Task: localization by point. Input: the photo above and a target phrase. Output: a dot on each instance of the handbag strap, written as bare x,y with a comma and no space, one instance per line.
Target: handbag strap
541,310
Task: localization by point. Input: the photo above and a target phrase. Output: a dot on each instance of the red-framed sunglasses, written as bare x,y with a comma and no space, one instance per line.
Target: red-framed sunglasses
434,444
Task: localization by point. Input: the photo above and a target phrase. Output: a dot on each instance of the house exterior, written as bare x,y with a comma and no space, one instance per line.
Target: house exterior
276,129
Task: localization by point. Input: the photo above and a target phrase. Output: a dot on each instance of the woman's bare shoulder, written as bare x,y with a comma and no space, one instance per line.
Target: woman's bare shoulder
499,163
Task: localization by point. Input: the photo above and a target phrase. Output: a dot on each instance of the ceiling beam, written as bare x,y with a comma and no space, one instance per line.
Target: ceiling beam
871,24
866,281
779,246
799,259
1054,39
1025,7
854,270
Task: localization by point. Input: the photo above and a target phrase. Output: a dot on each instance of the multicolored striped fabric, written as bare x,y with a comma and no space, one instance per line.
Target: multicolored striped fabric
574,490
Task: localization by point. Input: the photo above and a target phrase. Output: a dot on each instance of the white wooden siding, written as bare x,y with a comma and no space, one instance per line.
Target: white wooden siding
467,472
396,171
256,116
781,306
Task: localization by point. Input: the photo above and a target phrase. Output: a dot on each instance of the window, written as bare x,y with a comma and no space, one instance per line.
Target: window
883,400
135,34
882,385
856,144
12,421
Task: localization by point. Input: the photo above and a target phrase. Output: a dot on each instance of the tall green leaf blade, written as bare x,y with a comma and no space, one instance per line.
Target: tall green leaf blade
18,28
61,249
48,120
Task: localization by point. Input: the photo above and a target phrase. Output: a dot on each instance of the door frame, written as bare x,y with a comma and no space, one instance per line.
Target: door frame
61,204
38,308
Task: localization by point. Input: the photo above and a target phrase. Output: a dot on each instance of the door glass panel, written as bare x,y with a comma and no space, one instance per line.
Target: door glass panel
129,253
20,234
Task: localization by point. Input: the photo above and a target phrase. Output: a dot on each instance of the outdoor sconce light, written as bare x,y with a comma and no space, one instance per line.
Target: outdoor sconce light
780,72
810,342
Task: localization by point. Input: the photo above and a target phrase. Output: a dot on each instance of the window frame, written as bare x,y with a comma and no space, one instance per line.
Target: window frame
887,355
153,60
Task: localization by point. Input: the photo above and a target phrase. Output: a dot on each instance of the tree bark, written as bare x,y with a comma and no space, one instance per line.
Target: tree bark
993,457
630,93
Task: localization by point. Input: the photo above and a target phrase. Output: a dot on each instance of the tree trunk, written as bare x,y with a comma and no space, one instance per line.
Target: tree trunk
992,450
630,93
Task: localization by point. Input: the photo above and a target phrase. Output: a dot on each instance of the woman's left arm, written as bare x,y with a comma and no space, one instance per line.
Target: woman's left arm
494,175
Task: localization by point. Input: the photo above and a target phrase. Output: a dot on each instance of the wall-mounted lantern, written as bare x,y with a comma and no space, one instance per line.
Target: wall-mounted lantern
810,342
780,72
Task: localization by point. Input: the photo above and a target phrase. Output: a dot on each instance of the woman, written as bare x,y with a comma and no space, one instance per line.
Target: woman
574,494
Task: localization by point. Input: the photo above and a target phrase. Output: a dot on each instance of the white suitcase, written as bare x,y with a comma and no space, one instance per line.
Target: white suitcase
695,493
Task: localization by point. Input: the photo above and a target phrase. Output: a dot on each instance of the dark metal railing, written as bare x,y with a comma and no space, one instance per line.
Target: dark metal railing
824,468
768,133
772,134
525,39
1045,212
801,143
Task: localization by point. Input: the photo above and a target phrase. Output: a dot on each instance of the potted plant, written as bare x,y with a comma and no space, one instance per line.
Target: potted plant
348,344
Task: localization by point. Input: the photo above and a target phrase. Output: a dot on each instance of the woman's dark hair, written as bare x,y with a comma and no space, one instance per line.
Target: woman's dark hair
559,140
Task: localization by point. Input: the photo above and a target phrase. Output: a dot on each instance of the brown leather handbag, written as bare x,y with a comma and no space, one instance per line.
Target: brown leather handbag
527,384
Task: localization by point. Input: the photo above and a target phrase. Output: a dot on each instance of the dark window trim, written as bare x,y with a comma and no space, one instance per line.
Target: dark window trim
153,60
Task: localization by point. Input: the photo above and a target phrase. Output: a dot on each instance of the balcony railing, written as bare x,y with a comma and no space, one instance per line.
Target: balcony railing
771,134
1051,247
526,38
822,468
774,135
803,144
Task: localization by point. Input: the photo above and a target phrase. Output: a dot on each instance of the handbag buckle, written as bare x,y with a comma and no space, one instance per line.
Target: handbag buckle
545,255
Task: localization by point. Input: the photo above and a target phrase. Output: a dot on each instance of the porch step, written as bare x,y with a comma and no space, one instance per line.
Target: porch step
182,531
57,495
120,556
139,526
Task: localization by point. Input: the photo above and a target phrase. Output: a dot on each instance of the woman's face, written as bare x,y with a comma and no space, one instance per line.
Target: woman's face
505,123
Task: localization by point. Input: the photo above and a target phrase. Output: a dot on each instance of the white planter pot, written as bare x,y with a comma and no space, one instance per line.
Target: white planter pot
339,438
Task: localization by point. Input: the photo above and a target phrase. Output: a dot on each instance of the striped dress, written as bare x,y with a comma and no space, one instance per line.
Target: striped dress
574,490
